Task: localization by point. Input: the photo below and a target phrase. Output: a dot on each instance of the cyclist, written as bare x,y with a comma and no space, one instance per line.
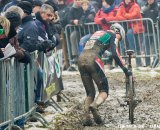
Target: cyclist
91,66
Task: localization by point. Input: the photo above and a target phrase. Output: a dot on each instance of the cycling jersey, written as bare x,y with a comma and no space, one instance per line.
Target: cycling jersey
90,64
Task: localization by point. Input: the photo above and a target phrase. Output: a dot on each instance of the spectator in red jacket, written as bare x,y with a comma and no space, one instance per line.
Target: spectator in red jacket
105,14
130,10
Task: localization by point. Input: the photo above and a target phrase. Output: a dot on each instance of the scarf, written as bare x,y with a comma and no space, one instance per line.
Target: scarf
107,10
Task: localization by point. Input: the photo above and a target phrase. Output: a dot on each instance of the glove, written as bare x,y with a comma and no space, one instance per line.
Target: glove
125,70
45,45
104,21
51,45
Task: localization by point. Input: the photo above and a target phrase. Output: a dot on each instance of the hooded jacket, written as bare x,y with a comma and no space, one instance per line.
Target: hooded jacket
129,12
110,16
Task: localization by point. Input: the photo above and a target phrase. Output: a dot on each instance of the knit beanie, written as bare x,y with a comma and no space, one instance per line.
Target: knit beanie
14,18
37,3
110,2
26,7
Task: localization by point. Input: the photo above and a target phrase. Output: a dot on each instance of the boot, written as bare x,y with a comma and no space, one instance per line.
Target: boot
87,119
96,114
94,109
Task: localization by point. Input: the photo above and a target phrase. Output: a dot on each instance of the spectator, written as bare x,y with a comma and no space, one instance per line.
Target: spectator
87,17
14,2
103,16
15,9
63,10
69,2
4,31
42,17
75,14
88,12
3,3
149,10
97,4
141,2
53,27
15,20
130,10
106,14
36,6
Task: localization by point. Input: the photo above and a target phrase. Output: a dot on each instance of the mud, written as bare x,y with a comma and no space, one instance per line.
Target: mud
147,113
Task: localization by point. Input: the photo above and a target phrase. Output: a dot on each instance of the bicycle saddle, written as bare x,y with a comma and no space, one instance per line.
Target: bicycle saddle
130,52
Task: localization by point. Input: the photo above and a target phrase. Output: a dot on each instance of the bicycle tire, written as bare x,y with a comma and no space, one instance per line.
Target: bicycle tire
131,99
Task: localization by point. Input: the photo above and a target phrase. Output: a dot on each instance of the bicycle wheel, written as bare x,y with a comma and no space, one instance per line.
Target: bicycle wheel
131,99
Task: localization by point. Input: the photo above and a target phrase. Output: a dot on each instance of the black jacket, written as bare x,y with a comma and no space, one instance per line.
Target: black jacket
41,24
28,34
150,11
63,13
75,13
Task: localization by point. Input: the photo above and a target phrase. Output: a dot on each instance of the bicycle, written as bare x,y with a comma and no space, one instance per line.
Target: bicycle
131,100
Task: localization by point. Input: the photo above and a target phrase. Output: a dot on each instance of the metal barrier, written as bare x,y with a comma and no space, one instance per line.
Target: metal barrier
17,89
144,42
82,30
6,89
17,93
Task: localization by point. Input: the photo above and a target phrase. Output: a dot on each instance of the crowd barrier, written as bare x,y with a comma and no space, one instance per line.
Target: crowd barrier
17,89
145,43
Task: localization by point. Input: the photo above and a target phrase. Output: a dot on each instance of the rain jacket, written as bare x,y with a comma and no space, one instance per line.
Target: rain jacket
129,12
108,17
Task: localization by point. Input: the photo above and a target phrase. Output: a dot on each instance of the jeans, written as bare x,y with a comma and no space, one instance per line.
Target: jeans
82,42
74,39
39,85
149,48
135,42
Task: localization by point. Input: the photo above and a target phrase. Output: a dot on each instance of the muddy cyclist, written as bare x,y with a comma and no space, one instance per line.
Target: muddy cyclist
91,68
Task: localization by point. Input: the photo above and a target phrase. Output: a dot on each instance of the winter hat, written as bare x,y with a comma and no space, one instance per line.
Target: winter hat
31,1
110,2
26,7
14,18
37,3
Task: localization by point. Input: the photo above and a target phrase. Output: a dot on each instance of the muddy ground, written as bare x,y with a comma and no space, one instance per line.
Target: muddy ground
147,113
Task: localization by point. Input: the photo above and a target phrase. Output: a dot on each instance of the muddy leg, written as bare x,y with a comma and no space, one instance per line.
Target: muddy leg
94,107
87,119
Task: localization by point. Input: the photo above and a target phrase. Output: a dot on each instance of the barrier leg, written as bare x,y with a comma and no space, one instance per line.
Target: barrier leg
64,48
38,117
13,127
64,97
57,105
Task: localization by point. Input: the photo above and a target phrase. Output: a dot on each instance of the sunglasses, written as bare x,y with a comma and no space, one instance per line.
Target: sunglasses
2,31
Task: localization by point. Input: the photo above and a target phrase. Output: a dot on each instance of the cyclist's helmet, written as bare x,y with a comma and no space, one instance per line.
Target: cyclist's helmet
118,29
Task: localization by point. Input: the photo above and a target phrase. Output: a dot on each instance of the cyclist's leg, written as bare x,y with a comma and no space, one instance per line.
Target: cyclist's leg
102,84
90,91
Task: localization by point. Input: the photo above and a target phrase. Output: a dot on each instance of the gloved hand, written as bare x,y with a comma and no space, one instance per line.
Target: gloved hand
104,21
125,70
51,45
45,45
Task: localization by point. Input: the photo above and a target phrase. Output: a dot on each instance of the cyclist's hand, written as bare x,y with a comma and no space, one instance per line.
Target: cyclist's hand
125,70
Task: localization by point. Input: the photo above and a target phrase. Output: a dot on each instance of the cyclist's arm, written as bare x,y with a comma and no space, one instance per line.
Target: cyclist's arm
115,52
